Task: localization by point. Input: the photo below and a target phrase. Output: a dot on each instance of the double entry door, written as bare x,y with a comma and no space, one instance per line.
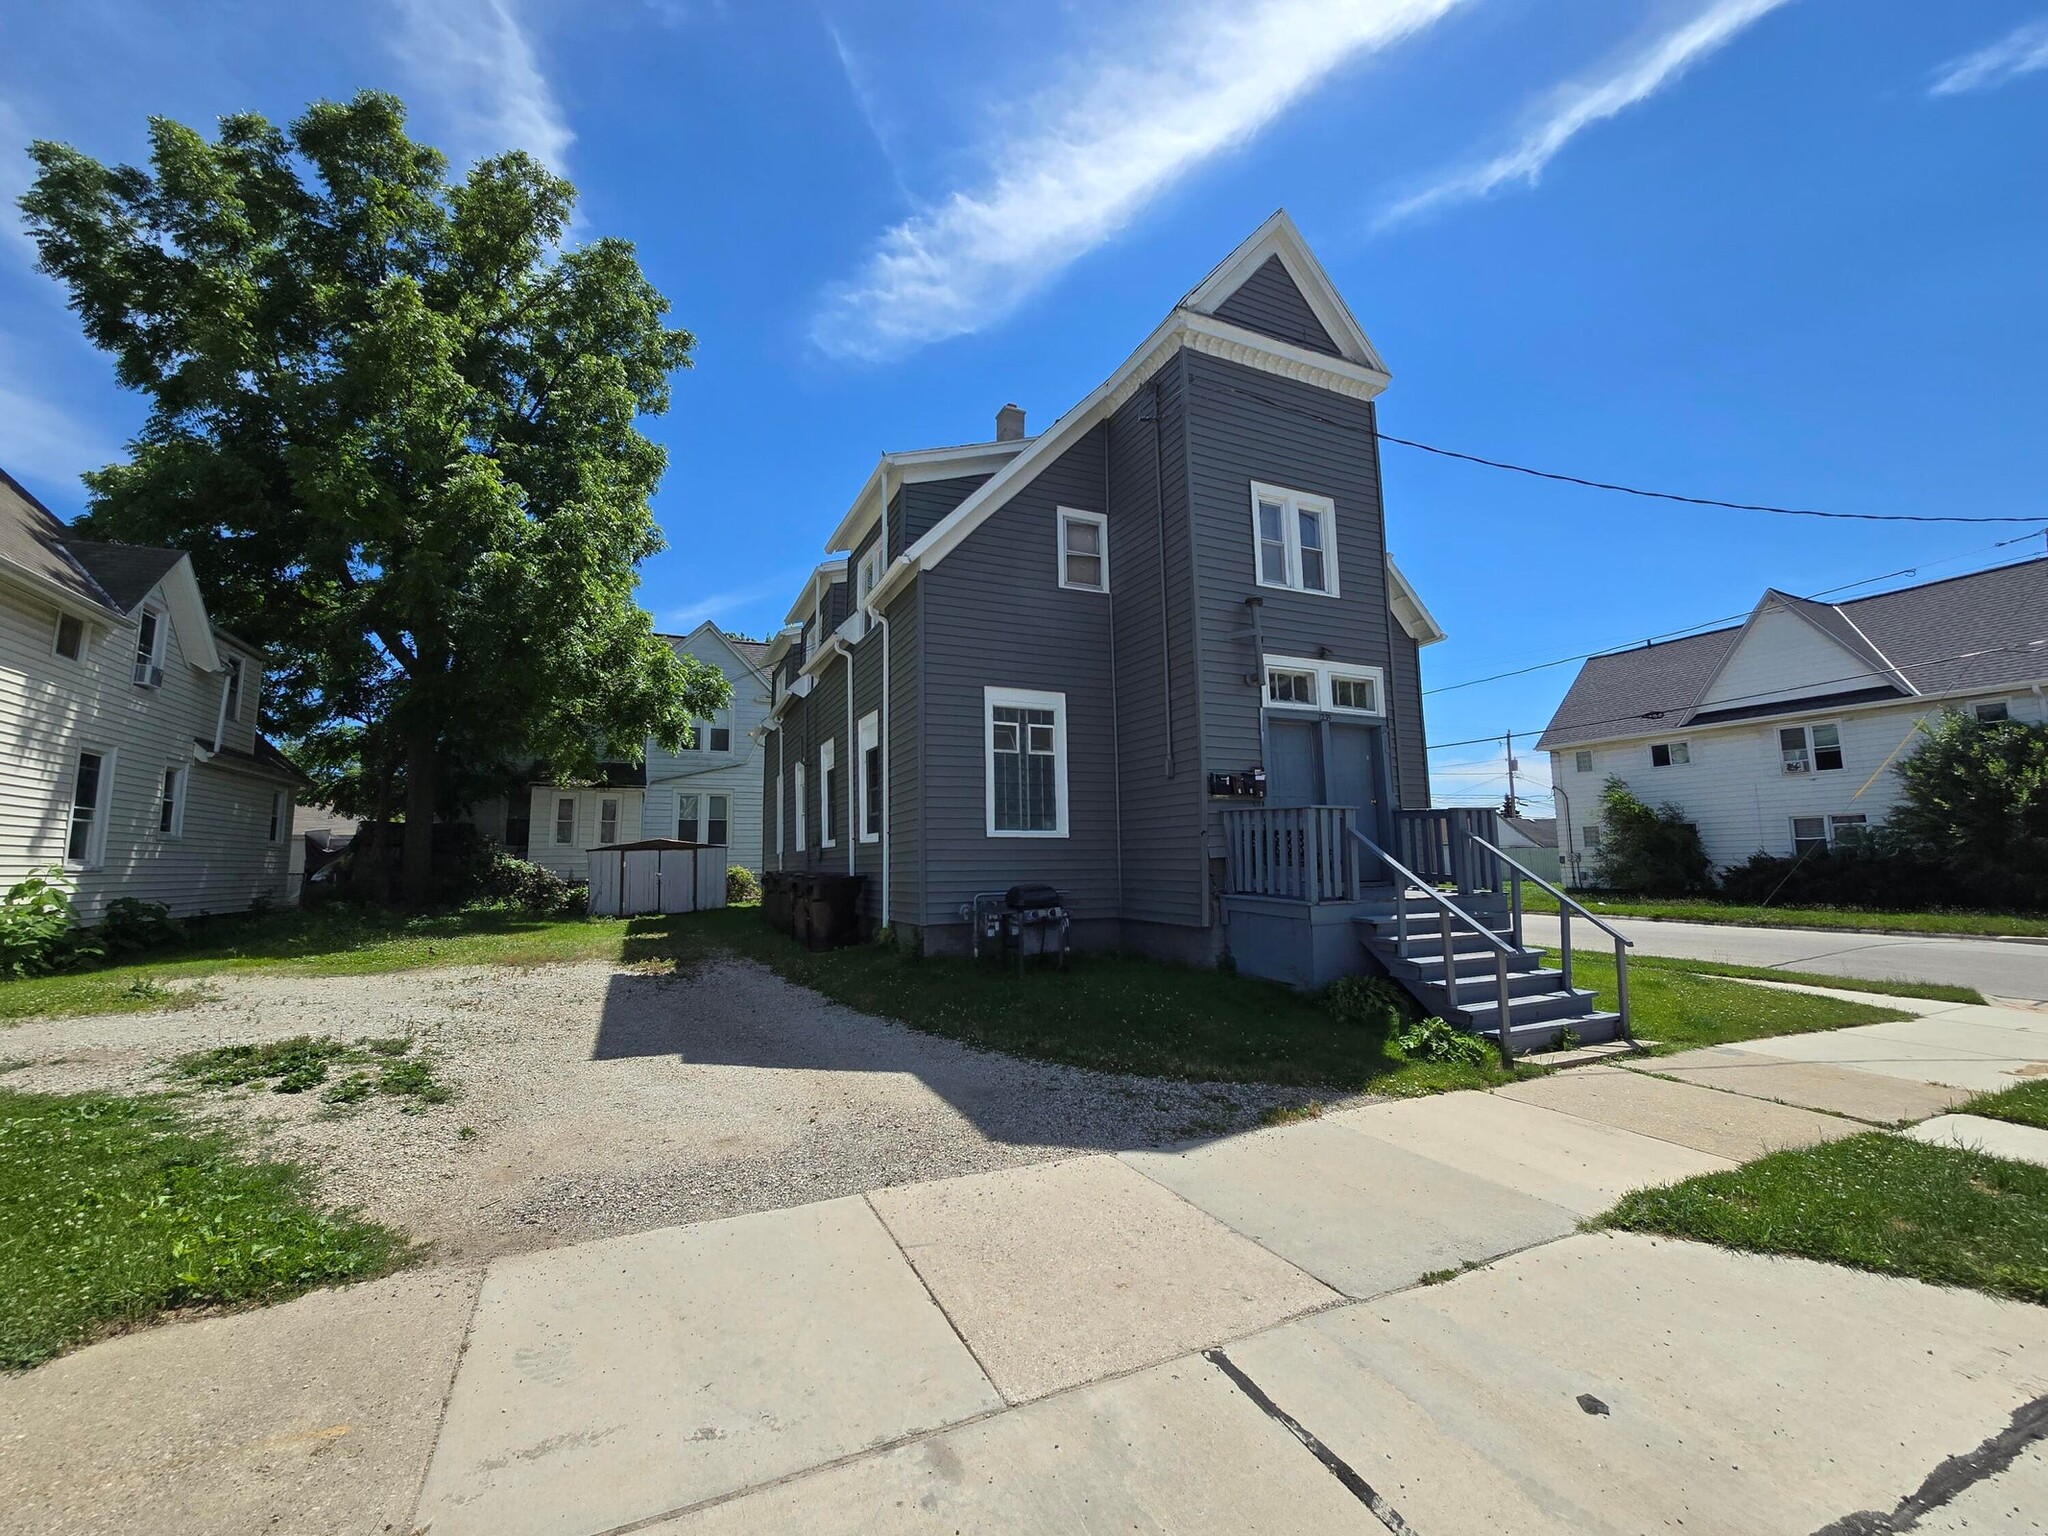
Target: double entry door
1316,760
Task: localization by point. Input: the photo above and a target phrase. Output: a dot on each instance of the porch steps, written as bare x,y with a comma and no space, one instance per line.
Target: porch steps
1540,1006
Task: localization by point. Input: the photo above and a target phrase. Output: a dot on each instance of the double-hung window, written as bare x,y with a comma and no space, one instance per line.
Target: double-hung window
170,812
234,700
1849,831
870,778
1670,754
717,819
686,819
1027,762
608,821
1300,682
802,811
149,649
85,844
828,786
1294,537
565,819
1816,749
1084,551
869,576
70,641
280,815
1809,835
710,736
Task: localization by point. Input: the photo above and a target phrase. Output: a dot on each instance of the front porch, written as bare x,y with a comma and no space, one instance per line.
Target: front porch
1310,897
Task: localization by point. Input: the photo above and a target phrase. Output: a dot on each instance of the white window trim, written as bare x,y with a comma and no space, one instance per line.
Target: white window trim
1792,824
281,814
1857,819
236,684
1582,761
1067,515
1806,730
1296,502
84,639
1672,746
1977,705
617,803
704,826
96,837
869,575
802,820
868,736
181,784
155,665
828,759
1325,672
696,816
555,815
781,817
993,699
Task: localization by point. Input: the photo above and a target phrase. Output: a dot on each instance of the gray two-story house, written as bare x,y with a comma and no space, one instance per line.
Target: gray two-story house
1155,656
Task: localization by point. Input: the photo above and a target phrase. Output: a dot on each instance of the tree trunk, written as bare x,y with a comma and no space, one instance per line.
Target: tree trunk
372,874
418,870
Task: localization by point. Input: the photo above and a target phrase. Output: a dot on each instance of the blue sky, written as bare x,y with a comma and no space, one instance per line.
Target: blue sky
1786,251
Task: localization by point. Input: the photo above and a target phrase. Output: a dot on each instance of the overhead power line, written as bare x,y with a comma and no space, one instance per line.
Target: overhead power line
1697,501
1730,618
1661,711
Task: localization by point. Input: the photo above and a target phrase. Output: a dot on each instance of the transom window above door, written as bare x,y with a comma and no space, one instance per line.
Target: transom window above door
1300,682
1294,540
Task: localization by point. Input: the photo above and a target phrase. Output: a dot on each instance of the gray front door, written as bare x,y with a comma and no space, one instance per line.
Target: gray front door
1294,773
1352,777
1322,761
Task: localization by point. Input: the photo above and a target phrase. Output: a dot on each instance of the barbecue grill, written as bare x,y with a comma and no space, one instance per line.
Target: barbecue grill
1007,918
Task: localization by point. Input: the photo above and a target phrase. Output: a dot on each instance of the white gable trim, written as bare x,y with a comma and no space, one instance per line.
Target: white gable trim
724,640
180,588
1774,601
895,470
1417,620
825,575
1279,237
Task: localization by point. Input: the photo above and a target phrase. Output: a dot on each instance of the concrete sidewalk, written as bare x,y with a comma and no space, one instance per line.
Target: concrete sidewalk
1239,1336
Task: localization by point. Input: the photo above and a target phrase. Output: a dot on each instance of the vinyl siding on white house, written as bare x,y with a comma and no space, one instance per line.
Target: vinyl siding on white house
223,857
571,860
1736,789
735,773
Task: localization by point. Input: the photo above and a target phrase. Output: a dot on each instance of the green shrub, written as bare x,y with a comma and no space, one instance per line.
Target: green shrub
1439,1040
510,882
1974,797
1370,1002
742,886
1656,852
131,925
37,932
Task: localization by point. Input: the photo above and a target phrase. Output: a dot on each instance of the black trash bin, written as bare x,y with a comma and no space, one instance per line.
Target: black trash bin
828,910
778,901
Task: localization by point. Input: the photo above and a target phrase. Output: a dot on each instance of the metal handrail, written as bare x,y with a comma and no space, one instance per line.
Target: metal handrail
1446,910
1565,907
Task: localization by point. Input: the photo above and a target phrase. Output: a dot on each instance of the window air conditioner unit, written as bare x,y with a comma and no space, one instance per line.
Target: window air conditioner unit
1795,767
149,676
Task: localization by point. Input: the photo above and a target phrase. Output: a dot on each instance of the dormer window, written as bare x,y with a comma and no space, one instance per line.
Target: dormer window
1294,540
149,649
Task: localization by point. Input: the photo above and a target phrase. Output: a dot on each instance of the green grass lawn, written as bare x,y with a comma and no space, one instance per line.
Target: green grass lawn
1115,1013
2025,1105
329,941
1674,1005
1706,910
115,1210
1877,1202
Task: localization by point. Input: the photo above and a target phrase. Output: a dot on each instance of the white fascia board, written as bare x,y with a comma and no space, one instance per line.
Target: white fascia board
180,588
1202,333
725,640
1801,711
827,572
55,595
780,642
915,467
1278,236
1421,625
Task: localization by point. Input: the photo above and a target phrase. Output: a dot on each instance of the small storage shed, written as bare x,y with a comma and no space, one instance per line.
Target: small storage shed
658,874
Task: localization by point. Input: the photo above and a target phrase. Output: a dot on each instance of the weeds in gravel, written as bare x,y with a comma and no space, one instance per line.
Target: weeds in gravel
114,1210
304,1062
1289,1114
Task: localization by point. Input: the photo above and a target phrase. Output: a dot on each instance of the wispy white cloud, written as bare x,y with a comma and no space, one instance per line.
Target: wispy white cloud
16,171
1577,106
2020,52
716,605
1080,160
475,61
40,439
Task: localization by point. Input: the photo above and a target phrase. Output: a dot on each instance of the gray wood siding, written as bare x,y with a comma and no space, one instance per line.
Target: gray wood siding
925,503
1404,700
1245,426
825,719
995,615
771,809
867,699
903,731
1162,865
1269,303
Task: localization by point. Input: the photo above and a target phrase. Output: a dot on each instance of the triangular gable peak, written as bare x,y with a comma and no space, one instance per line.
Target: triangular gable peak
709,627
1274,285
1792,649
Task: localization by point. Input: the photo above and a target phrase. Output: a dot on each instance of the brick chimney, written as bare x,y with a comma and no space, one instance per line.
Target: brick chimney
1010,424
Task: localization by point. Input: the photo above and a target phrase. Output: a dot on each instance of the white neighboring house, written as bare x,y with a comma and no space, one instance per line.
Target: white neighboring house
1780,735
129,753
710,792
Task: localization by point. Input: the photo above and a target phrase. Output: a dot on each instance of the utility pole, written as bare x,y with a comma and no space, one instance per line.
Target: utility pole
1514,806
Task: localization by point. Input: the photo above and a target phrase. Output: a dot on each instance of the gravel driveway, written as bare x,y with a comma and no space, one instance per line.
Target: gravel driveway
592,1101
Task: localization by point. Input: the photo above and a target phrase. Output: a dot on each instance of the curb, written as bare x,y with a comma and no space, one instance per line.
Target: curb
1885,933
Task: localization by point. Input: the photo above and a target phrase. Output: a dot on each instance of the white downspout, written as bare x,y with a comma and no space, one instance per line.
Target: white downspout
882,741
852,831
220,721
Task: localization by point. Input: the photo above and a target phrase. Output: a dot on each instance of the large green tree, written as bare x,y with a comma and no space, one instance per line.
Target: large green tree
1975,793
396,421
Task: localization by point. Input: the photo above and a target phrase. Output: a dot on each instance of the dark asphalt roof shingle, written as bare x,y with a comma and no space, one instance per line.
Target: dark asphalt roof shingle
1984,630
126,572
32,539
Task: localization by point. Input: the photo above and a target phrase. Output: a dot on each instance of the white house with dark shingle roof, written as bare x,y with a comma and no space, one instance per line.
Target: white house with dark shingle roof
1780,734
129,750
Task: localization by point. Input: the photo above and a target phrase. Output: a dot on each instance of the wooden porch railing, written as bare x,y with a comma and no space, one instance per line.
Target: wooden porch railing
1297,853
1439,846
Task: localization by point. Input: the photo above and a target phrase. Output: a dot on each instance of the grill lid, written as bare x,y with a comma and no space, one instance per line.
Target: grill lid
1020,897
